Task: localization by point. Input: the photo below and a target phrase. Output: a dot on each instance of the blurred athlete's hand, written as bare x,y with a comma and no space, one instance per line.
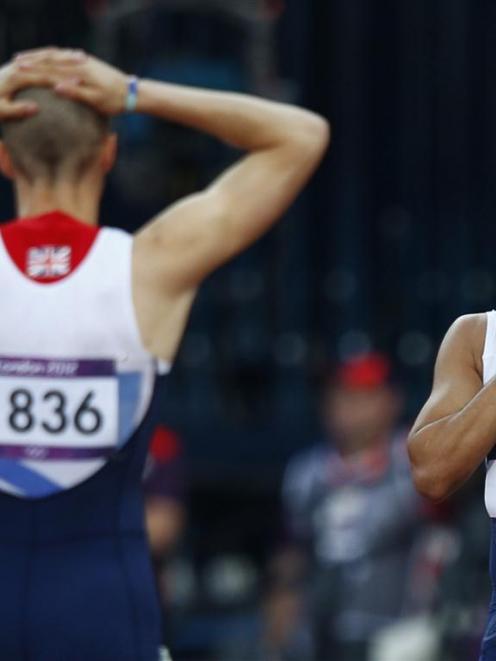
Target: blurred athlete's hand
80,77
14,77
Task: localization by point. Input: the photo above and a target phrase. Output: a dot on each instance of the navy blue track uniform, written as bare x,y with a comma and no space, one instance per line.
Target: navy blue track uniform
76,582
489,641
75,575
488,652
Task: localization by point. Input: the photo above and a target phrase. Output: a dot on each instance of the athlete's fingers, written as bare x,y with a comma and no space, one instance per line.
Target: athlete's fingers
89,80
35,52
53,73
72,90
17,109
52,56
62,69
22,79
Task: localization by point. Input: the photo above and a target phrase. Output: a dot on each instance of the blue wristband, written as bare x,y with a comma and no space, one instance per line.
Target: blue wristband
132,95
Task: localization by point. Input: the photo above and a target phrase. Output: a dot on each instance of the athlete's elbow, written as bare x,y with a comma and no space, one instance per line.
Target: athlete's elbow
313,134
432,482
429,480
319,130
433,487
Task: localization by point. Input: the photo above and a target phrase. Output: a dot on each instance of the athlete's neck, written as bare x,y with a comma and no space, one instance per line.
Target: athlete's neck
80,200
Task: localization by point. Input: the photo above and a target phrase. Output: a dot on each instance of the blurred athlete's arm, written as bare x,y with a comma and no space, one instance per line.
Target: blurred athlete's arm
456,429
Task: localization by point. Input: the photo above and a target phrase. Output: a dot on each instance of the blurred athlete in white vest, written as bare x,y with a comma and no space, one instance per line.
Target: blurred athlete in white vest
86,313
456,430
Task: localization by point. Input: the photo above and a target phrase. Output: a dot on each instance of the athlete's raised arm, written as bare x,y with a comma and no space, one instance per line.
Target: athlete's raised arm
456,428
284,144
177,249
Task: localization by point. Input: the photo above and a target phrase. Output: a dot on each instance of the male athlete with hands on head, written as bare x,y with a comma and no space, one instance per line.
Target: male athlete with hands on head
456,429
85,314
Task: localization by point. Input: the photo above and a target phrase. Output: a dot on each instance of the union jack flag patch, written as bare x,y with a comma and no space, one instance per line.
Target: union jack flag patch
49,261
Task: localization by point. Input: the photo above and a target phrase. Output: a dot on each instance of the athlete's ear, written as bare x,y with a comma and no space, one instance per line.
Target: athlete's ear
6,165
109,152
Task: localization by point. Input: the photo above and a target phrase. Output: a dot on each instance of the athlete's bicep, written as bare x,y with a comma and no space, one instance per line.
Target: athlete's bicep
458,371
177,243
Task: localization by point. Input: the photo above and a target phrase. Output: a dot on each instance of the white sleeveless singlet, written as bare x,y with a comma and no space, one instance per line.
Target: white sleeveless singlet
489,367
75,379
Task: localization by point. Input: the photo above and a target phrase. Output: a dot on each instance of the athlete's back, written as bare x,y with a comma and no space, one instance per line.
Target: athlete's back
75,383
76,367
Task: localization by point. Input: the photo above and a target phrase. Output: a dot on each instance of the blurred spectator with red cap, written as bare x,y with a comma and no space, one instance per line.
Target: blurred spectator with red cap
352,510
164,486
164,483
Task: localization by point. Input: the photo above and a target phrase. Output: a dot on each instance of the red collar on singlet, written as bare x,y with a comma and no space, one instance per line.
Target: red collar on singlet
48,248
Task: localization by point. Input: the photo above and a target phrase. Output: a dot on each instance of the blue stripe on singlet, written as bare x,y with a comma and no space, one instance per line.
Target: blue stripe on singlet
35,485
25,479
129,397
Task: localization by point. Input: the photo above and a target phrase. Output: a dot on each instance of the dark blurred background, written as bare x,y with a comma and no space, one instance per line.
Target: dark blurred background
392,241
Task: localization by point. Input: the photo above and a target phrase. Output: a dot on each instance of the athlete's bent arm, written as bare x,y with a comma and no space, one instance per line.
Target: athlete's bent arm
285,145
456,428
176,250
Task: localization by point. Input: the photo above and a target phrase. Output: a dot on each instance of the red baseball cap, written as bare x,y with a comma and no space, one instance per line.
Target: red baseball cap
364,372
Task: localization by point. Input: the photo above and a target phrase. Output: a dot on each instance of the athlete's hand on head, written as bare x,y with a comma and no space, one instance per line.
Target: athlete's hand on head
81,77
15,76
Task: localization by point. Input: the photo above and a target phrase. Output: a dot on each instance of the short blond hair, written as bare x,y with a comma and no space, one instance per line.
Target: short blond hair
58,142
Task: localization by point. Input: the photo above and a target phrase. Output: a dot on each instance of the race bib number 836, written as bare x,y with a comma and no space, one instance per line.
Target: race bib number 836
58,402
